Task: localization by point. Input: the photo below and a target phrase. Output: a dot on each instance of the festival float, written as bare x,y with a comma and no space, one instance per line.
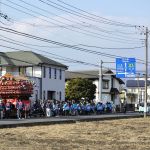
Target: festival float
13,88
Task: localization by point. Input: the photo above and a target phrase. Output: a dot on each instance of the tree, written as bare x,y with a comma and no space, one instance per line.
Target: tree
80,88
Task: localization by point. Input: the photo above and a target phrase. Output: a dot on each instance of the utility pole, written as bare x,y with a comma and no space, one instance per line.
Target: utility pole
146,70
100,80
138,88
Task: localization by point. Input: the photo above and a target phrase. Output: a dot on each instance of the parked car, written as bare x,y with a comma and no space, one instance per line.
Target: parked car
141,107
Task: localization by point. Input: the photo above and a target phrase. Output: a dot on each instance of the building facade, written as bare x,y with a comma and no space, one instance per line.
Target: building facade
111,86
136,91
48,75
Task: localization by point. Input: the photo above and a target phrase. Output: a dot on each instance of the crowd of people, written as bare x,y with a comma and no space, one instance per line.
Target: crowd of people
51,108
65,108
9,110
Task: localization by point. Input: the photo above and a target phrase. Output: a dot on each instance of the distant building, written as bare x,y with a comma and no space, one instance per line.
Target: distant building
136,91
48,75
111,86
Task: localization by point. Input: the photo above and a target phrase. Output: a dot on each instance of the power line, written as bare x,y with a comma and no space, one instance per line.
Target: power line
86,32
81,10
59,43
92,46
24,45
61,58
108,31
87,24
42,46
45,46
103,20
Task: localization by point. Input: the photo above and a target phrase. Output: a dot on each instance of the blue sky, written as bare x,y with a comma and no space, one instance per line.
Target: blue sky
127,11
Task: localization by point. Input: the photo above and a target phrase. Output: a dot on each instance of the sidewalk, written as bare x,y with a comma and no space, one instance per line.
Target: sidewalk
8,123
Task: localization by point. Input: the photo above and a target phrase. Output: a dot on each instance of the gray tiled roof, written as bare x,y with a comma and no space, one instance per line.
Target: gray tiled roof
89,74
26,58
136,83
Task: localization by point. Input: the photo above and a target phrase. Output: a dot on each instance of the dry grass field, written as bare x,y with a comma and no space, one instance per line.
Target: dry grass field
125,134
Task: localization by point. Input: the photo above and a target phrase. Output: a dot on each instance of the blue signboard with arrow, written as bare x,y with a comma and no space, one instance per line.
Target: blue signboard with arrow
125,67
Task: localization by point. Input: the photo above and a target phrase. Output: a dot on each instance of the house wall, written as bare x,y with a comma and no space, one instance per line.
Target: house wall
140,94
117,85
36,89
105,92
106,96
51,84
96,82
42,84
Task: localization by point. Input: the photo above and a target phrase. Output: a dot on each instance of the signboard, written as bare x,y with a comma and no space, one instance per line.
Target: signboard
125,67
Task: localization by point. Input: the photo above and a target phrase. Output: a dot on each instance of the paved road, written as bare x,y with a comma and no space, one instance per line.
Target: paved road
5,123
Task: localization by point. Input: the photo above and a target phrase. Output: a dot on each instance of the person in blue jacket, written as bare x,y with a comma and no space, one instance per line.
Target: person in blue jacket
88,108
66,108
99,108
108,107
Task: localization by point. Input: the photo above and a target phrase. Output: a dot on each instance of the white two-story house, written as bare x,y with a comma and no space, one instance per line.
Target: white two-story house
48,75
111,86
136,91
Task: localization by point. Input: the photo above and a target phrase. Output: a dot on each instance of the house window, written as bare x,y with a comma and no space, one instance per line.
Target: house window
133,90
60,95
44,72
148,97
55,73
44,95
0,71
22,71
60,74
105,84
50,72
29,71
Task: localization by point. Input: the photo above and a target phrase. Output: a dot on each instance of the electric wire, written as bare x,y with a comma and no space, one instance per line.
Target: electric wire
85,16
61,57
59,43
91,14
86,32
87,24
45,46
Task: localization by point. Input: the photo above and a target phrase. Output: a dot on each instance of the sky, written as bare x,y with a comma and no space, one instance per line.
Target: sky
79,29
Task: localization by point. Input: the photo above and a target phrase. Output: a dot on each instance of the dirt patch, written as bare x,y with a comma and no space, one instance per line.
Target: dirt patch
111,135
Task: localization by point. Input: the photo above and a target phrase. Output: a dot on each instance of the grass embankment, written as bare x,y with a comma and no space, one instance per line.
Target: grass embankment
125,134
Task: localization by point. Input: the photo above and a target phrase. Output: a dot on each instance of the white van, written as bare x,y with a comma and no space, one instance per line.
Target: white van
141,107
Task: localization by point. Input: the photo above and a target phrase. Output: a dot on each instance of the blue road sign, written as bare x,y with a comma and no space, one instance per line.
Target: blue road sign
125,67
